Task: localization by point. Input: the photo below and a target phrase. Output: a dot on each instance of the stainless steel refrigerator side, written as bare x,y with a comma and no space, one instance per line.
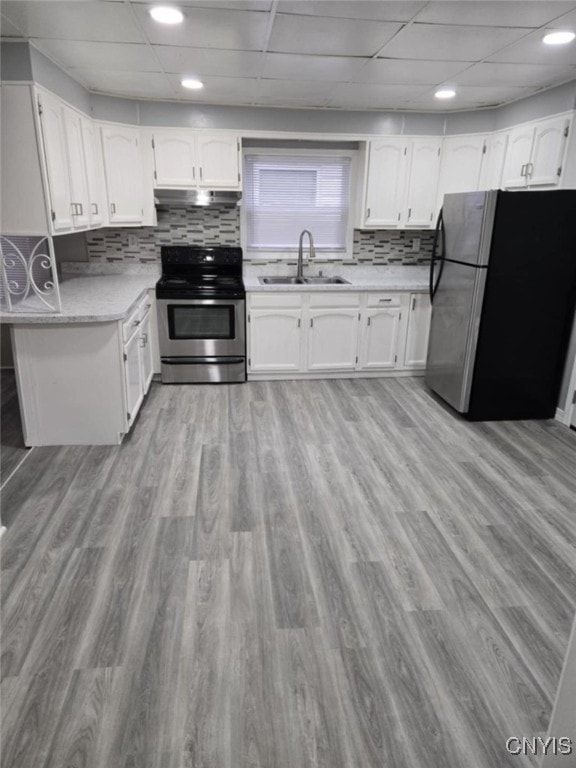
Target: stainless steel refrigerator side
457,307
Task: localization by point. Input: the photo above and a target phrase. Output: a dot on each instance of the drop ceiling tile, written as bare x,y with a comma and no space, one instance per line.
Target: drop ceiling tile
281,91
105,22
532,75
209,28
133,84
133,57
7,29
292,66
229,89
358,9
496,13
567,21
408,71
368,96
209,61
531,50
331,37
452,43
469,96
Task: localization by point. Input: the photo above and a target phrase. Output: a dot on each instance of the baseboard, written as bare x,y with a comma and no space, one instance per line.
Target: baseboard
331,375
562,416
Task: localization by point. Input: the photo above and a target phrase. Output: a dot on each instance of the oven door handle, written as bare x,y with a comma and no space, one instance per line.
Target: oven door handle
202,360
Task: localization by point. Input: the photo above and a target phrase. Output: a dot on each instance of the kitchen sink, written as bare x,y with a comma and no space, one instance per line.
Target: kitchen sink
326,281
303,281
282,280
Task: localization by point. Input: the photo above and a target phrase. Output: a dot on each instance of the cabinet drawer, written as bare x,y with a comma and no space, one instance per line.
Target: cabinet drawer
333,299
131,324
274,300
384,300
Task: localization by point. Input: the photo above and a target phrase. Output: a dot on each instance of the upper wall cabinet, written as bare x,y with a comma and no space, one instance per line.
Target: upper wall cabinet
422,182
535,153
124,174
188,159
385,183
493,161
56,162
95,173
461,165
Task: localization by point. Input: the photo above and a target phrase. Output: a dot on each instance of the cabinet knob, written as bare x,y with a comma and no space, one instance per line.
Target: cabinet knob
95,208
113,207
367,213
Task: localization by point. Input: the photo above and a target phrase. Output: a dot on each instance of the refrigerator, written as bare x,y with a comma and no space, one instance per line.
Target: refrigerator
503,293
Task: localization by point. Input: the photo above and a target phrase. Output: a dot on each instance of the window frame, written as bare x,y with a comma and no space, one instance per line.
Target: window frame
292,253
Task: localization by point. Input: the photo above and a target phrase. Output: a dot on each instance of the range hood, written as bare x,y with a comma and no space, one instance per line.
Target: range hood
186,198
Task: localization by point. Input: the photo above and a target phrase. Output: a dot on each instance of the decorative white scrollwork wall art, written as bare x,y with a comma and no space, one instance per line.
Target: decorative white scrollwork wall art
28,277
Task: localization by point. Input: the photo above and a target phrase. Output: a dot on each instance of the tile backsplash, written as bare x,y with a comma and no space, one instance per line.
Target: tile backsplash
220,225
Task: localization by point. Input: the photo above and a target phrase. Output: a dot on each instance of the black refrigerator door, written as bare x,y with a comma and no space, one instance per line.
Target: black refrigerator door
528,307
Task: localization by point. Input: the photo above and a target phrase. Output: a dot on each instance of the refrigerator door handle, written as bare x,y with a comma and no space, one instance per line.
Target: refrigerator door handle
438,232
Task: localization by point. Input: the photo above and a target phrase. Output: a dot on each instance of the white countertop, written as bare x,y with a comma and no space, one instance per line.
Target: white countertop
361,278
96,299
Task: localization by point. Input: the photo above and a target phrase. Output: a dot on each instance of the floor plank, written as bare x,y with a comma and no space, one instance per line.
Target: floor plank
307,574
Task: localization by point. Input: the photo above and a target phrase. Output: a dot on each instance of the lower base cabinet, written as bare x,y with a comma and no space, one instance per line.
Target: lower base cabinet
82,383
308,333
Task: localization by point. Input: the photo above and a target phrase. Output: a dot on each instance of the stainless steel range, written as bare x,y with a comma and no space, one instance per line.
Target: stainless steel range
201,305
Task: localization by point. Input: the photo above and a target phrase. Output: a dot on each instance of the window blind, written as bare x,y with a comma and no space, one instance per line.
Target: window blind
284,194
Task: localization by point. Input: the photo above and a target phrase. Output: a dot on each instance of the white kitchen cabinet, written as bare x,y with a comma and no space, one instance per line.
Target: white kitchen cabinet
94,172
419,316
420,204
535,153
461,161
146,348
124,174
385,183
493,161
333,339
174,159
134,386
56,162
188,159
548,152
380,338
79,198
218,162
275,339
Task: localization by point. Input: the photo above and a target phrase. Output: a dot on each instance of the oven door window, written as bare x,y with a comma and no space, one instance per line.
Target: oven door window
201,321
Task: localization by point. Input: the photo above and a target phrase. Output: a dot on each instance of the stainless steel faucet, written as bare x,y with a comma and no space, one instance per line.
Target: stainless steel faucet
311,253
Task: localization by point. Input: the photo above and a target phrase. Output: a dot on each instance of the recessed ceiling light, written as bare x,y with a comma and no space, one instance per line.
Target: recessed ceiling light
445,93
192,83
166,15
558,38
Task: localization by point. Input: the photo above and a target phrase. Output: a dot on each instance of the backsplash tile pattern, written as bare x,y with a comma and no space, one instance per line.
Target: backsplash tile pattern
220,225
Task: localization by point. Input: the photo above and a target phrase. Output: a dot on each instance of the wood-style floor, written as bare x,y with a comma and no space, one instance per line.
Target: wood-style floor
313,574
12,448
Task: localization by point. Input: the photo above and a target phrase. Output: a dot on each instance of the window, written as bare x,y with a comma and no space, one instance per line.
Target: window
287,192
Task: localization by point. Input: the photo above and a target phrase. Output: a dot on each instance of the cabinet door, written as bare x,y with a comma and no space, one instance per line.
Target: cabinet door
547,153
218,162
333,339
518,154
133,376
493,162
77,169
146,363
386,182
418,330
460,165
379,348
275,338
95,173
174,159
124,177
423,182
54,142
